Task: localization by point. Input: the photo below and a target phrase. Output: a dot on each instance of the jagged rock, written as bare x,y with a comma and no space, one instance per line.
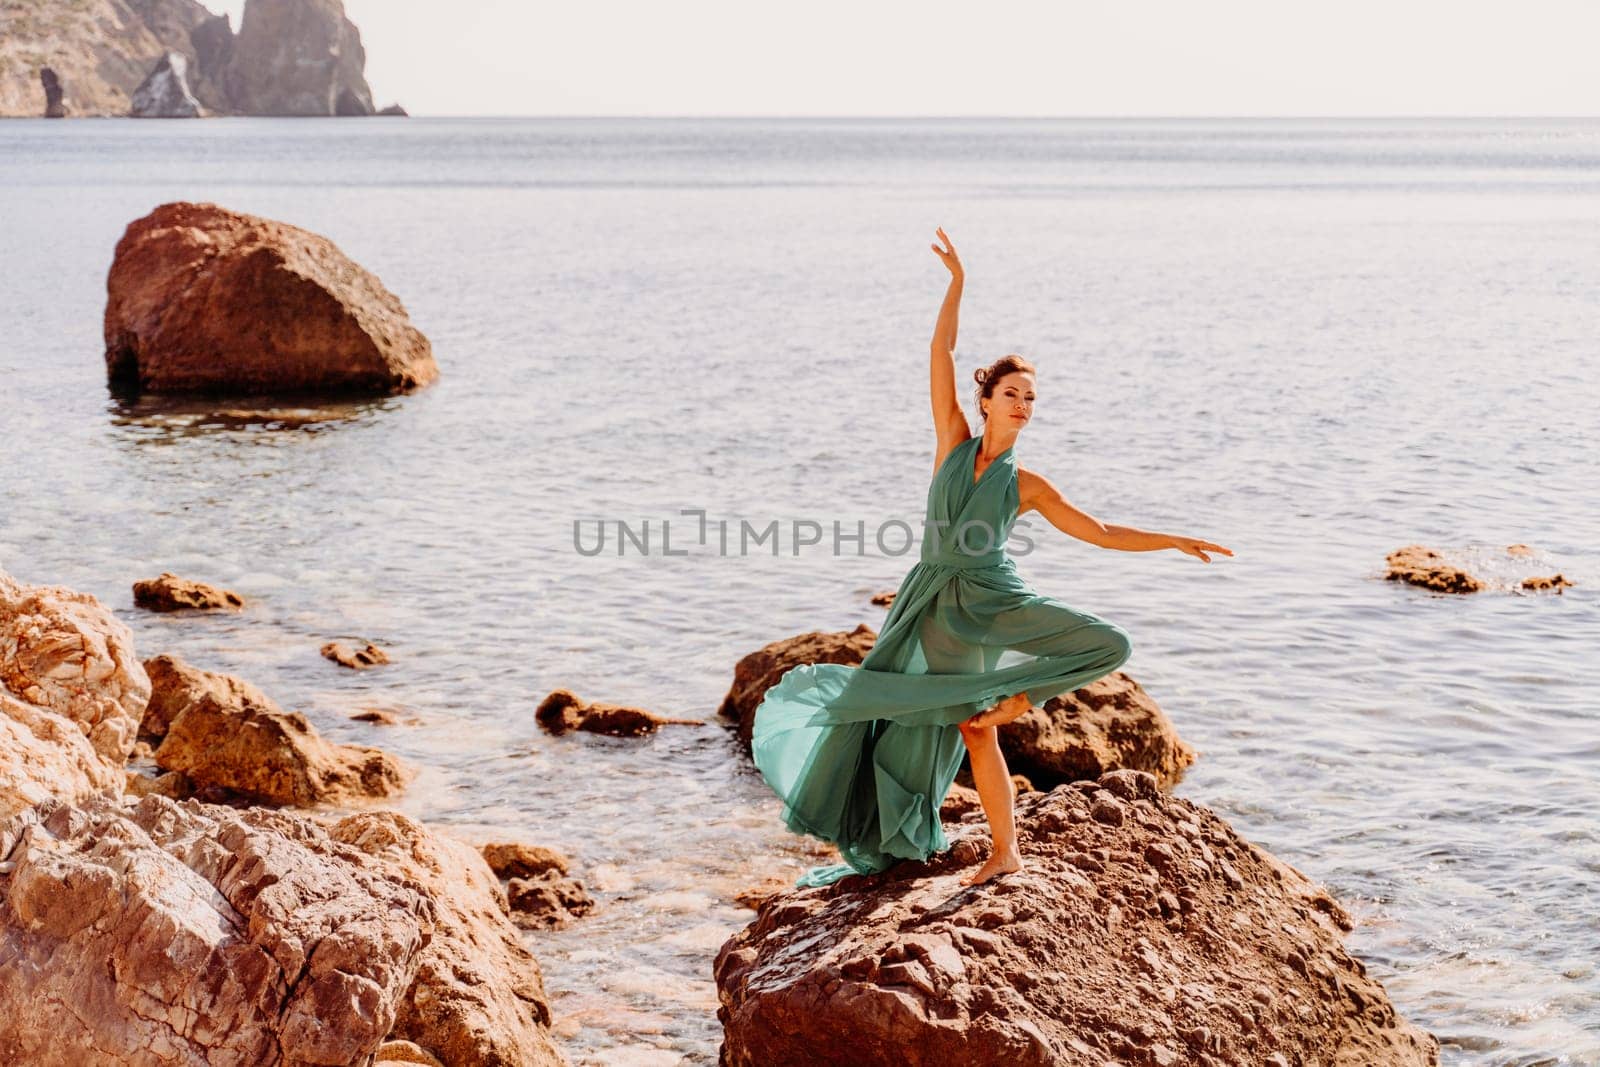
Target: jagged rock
547,901
168,592
71,695
761,669
98,50
356,659
298,57
1107,725
394,109
562,710
54,106
202,299
224,733
516,860
1542,582
1142,930
1420,565
164,94
212,41
479,998
195,934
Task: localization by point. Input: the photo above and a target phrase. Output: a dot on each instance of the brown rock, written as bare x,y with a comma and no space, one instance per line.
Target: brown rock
377,715
1556,582
1518,550
356,659
754,896
298,57
184,933
761,669
547,901
515,860
963,796
406,1052
54,106
71,694
175,685
168,592
206,300
479,998
228,734
1419,565
1160,937
562,710
884,600
1109,724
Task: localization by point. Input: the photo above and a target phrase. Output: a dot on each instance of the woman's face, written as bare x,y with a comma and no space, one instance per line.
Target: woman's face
1011,403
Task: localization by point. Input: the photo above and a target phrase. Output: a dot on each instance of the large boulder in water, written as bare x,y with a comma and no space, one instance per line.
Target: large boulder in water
201,299
1109,724
164,93
1141,930
298,57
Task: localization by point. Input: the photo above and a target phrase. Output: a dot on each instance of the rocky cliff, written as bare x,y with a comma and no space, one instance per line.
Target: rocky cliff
290,57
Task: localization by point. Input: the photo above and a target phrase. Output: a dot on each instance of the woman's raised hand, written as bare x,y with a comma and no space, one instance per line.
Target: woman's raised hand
947,254
1196,547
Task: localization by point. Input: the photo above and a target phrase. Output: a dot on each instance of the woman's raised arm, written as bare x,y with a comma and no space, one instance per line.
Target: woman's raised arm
948,421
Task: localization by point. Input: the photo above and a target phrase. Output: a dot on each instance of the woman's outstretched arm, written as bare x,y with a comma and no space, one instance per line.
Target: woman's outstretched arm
948,421
1037,493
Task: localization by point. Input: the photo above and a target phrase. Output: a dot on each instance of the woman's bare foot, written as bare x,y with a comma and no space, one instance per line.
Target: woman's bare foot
997,863
1012,707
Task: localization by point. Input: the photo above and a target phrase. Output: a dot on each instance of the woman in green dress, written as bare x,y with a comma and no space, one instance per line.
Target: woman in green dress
863,756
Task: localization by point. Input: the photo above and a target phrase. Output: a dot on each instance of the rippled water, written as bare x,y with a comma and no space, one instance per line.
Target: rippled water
1311,341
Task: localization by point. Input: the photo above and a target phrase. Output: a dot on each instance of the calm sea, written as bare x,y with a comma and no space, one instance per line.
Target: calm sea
1312,341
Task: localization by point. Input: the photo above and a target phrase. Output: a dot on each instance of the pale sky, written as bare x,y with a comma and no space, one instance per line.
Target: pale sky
1001,57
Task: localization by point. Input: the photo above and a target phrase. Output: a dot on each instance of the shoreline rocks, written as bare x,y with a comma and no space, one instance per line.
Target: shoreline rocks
1142,929
205,300
194,932
164,93
225,734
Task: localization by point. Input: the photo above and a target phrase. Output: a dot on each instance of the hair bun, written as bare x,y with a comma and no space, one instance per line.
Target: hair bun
980,375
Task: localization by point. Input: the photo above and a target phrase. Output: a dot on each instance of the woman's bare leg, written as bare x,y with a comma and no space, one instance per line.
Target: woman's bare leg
990,775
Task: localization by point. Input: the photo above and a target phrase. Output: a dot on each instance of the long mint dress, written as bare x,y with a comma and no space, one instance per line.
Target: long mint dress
863,756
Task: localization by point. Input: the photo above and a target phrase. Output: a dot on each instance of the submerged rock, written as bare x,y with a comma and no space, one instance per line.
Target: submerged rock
168,592
562,711
1142,929
226,734
1420,565
1540,582
164,94
201,299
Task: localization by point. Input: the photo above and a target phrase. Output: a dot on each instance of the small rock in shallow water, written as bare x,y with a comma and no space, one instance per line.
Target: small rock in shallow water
562,711
168,592
1422,566
356,659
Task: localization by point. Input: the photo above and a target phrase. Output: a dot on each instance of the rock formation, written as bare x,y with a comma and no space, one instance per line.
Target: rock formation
563,710
298,57
205,300
164,94
290,57
148,931
224,733
1141,930
54,106
1109,724
168,592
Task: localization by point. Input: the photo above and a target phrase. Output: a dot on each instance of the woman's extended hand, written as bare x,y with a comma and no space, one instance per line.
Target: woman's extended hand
1196,547
947,254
